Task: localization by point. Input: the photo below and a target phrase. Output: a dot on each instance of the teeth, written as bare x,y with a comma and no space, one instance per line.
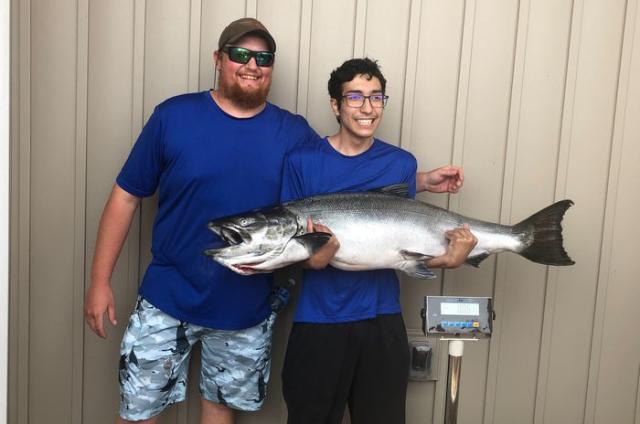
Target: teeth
249,77
365,121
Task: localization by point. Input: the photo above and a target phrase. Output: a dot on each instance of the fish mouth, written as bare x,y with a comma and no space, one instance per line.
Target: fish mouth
232,235
247,269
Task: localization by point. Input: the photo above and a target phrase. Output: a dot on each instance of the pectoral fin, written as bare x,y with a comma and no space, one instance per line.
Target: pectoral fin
417,269
414,265
414,256
313,241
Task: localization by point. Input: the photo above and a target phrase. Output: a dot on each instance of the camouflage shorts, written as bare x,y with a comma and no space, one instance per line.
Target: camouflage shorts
154,358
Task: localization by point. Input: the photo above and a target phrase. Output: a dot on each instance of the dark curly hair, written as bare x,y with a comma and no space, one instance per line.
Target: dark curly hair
348,71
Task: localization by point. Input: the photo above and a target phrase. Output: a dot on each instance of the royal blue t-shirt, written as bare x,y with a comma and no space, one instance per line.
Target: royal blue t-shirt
206,164
332,295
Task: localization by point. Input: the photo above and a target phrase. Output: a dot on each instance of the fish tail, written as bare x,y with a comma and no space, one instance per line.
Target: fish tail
544,227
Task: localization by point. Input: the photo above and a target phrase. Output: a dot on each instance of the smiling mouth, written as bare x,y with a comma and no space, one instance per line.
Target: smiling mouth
365,122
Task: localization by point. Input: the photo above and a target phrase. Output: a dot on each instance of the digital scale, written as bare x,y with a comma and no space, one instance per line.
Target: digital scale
456,320
458,317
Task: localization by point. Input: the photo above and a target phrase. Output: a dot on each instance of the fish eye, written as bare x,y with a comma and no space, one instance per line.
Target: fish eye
244,222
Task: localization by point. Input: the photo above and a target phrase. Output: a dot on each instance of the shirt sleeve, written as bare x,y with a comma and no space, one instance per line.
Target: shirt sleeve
410,177
291,182
307,134
141,172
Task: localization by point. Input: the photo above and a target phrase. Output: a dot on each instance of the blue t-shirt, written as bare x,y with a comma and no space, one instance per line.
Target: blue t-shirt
207,164
332,295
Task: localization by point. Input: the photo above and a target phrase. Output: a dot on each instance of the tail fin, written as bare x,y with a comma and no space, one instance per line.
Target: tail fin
546,247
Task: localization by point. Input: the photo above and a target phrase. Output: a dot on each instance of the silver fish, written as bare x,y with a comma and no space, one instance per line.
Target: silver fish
377,230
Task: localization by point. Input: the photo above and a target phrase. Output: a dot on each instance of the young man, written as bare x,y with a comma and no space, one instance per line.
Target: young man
208,155
348,344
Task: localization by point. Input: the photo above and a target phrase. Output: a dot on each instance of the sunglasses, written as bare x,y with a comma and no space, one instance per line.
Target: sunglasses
243,56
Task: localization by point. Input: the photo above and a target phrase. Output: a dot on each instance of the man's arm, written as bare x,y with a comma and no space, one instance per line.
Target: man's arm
446,179
112,232
461,243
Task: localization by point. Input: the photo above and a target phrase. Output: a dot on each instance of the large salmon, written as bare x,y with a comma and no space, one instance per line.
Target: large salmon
377,230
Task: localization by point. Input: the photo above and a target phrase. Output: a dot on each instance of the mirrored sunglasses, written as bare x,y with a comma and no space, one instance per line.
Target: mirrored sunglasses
243,56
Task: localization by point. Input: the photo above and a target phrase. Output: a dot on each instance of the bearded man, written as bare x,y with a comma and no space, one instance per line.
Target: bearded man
208,155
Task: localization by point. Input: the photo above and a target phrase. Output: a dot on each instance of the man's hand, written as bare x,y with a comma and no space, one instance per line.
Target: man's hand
323,256
99,300
461,243
112,231
446,179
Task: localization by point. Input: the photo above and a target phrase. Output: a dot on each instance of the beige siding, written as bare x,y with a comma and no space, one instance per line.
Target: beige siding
538,100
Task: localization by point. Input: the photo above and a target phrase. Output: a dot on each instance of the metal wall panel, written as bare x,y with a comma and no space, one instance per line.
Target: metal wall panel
614,378
530,176
584,166
535,98
52,223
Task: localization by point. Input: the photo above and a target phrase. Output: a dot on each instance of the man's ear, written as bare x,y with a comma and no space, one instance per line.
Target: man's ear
217,57
334,107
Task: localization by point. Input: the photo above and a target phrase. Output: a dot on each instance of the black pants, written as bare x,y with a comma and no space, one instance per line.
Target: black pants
364,364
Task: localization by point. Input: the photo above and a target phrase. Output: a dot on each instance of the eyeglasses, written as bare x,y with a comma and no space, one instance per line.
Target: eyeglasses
243,56
357,100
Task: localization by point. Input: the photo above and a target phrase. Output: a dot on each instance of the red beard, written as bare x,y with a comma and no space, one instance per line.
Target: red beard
249,99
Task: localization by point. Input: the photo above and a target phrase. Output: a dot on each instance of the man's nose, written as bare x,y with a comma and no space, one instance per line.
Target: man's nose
366,105
252,63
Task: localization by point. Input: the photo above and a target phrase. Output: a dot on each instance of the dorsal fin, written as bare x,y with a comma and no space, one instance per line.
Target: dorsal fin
400,190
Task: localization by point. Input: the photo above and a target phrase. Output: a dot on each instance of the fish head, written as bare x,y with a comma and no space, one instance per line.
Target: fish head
254,239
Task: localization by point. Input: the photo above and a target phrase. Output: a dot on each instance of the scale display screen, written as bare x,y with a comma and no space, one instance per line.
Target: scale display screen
458,316
472,309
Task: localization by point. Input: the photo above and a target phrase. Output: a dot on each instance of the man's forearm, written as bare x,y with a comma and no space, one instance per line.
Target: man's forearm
422,183
112,232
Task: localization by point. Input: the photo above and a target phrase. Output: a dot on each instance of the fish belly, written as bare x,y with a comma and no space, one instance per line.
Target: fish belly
379,244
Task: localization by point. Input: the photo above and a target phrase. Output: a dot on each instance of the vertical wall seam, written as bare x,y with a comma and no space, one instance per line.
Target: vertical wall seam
550,296
461,49
462,94
506,196
14,212
637,404
298,56
193,63
18,396
606,247
24,224
137,115
304,62
410,74
457,155
79,245
199,45
563,155
251,8
359,27
573,53
462,98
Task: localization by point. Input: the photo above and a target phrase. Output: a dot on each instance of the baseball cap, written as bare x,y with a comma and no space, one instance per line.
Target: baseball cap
243,26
